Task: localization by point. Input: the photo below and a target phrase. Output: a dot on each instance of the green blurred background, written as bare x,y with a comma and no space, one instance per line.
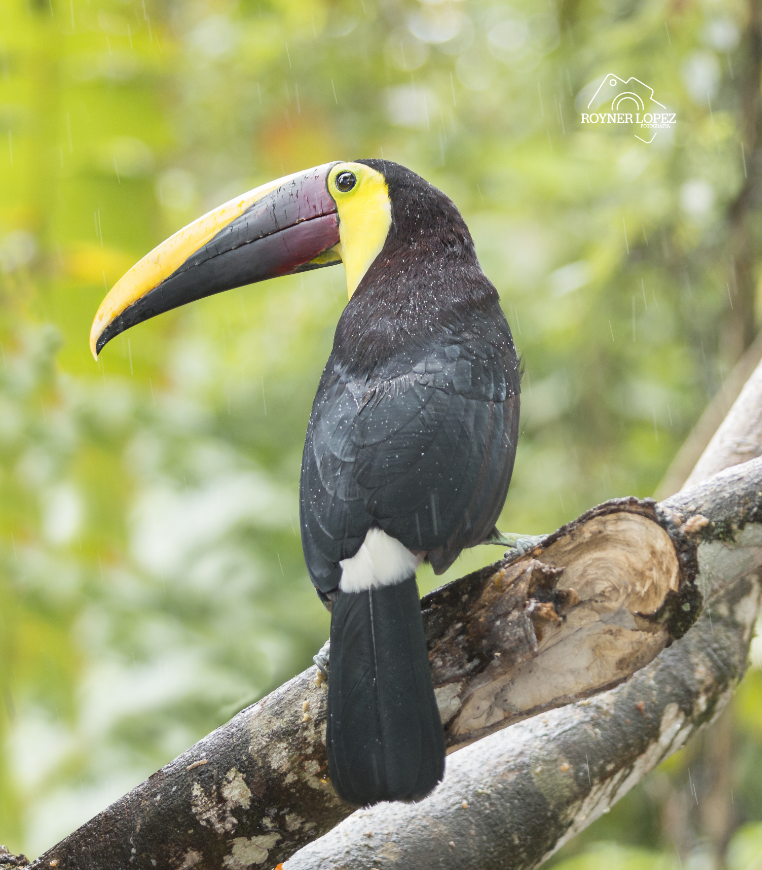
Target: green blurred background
151,576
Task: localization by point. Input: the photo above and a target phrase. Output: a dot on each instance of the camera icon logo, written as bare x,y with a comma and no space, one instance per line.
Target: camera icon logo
632,103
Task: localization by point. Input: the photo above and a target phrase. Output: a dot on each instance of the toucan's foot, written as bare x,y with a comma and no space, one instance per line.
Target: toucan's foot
521,544
321,662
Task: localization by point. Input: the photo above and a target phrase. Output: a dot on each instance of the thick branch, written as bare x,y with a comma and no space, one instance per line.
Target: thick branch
598,600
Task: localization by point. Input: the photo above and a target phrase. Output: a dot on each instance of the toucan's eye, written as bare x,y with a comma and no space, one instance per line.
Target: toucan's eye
345,181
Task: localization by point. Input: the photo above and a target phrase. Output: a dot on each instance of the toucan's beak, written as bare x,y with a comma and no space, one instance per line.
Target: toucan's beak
287,226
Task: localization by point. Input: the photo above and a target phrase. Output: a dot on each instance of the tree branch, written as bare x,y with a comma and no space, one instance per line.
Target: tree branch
599,599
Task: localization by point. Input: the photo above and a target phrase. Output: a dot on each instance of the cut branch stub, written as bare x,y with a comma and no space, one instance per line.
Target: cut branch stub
599,599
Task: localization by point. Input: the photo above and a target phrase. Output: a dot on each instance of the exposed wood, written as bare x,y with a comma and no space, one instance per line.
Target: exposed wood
581,612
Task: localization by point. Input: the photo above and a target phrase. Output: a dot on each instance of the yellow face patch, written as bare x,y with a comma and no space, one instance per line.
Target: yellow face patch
365,215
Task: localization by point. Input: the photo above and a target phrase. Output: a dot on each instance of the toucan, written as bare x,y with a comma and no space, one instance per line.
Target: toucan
411,440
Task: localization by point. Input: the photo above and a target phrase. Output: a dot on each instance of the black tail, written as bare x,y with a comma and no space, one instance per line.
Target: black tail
385,739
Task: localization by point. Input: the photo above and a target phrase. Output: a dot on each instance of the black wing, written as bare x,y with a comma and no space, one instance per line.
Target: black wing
422,449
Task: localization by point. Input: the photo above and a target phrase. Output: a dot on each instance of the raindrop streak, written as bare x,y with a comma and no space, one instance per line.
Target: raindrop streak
290,66
643,285
518,325
626,242
612,330
667,29
336,99
633,319
693,787
743,157
129,353
280,563
116,169
729,297
644,234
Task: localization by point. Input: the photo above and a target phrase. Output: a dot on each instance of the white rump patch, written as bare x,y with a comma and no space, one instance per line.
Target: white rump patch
381,561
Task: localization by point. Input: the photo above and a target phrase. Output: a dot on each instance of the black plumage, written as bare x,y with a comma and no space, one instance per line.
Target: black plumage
413,431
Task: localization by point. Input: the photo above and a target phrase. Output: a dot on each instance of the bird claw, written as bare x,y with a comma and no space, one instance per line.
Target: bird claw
518,545
321,662
523,544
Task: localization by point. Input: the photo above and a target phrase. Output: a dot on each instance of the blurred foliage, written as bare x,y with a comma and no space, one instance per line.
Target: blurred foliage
151,580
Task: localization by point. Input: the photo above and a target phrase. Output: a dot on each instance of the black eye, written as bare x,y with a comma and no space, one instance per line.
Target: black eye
345,181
